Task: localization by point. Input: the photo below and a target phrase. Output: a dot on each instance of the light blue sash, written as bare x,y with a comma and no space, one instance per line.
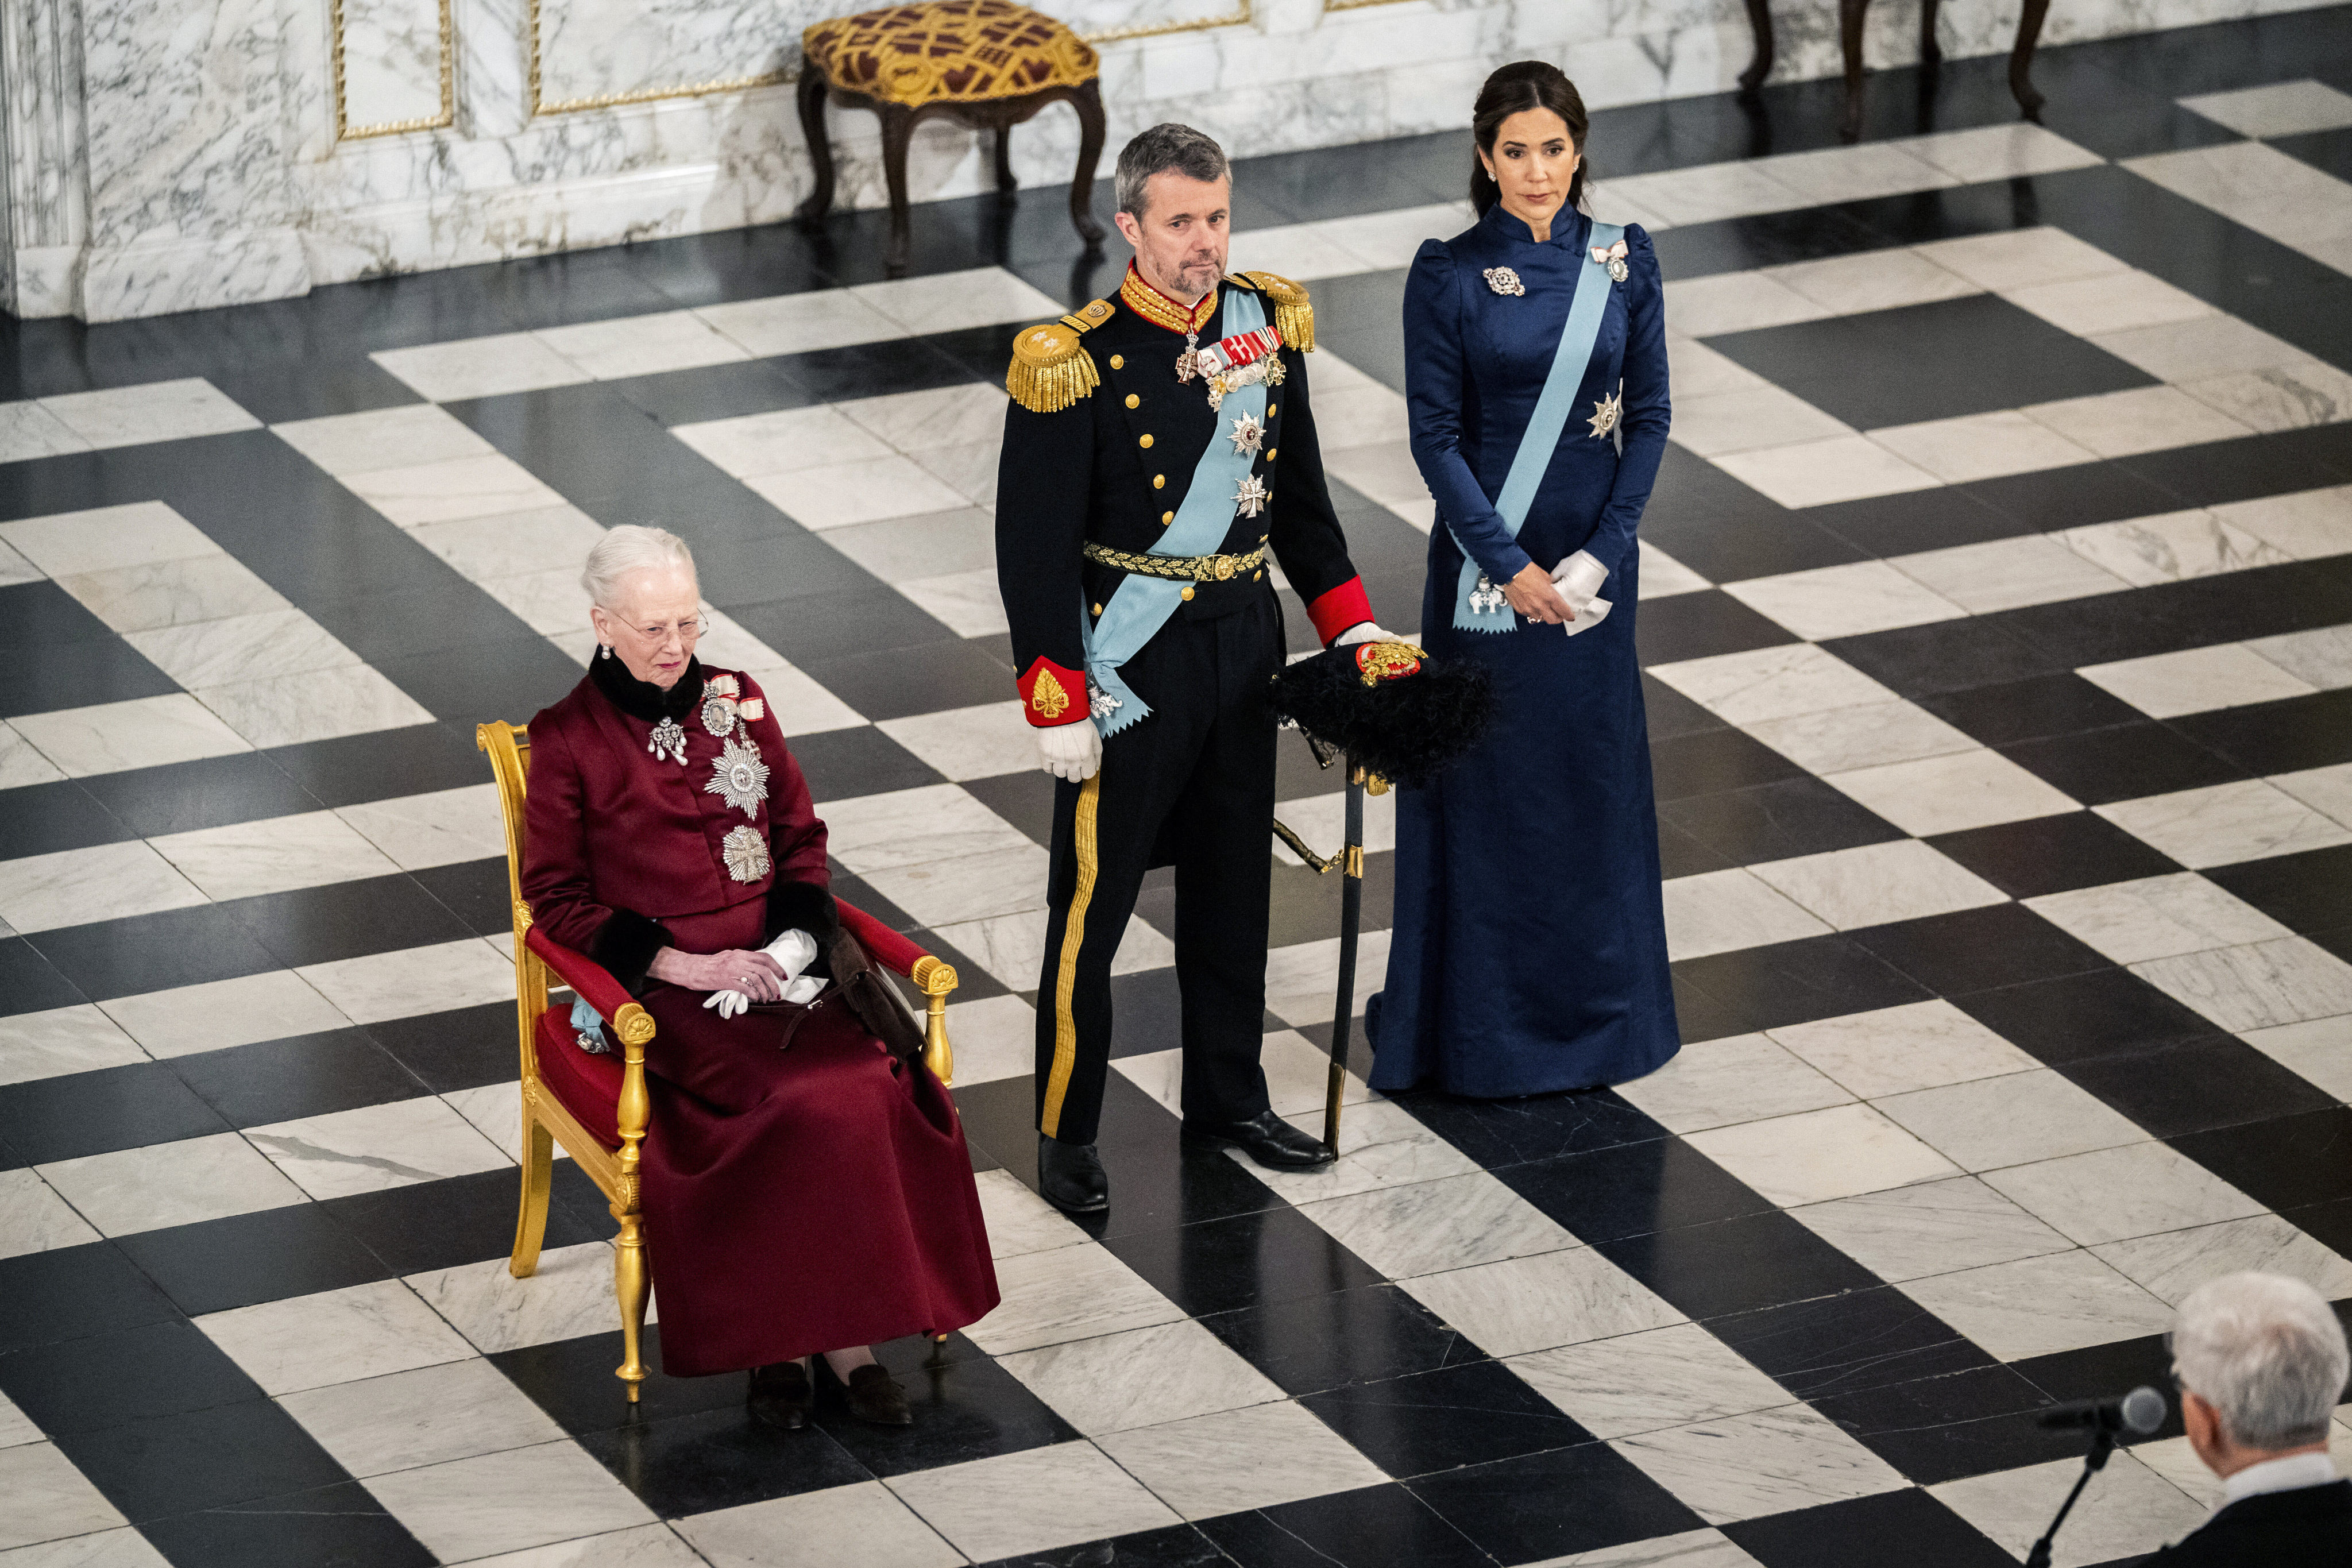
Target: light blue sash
1542,435
1142,605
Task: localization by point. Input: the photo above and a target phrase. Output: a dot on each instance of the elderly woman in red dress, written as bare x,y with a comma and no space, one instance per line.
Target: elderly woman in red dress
806,1187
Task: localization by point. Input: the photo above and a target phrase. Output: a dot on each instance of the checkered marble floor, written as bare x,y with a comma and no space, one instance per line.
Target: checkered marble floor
1999,649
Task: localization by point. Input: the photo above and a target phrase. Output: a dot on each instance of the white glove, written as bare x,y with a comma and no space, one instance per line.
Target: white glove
1578,578
1364,631
1071,751
795,951
729,1002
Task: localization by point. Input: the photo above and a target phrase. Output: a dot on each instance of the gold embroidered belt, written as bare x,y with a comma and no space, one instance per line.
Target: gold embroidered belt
1180,568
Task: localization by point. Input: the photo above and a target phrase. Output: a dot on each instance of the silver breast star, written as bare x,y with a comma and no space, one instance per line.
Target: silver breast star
737,777
1250,498
1248,435
1605,412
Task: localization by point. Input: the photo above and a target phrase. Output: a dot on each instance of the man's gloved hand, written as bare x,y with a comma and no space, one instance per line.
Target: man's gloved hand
1364,631
1071,751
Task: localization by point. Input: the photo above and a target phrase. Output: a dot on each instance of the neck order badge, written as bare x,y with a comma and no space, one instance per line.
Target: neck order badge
1478,604
1142,605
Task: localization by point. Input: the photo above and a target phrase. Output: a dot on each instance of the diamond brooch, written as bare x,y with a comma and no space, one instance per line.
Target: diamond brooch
1503,280
739,777
669,741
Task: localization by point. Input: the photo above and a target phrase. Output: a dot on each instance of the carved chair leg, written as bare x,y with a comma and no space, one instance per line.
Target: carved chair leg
629,1284
820,147
1851,14
1087,101
1931,53
1759,22
1004,180
898,132
538,1171
2021,59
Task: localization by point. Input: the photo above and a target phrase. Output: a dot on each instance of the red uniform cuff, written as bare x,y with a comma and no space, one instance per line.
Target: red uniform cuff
1051,695
1344,607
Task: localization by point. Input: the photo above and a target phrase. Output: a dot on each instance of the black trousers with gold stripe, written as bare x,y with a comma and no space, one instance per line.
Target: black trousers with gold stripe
1191,786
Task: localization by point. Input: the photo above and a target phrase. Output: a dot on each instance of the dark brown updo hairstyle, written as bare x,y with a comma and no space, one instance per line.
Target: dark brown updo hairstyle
1516,87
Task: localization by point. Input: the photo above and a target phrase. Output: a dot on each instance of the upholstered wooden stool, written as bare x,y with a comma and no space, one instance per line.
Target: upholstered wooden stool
1851,16
985,64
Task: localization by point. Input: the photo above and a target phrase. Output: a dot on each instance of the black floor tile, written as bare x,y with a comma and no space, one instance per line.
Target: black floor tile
75,1114
216,1264
1945,656
2053,854
476,891
2061,703
2127,760
40,614
1712,761
923,678
1798,982
1309,1343
2282,1163
788,569
2053,499
344,1525
719,1458
1771,239
414,760
714,392
211,792
1263,1257
1725,531
1907,1526
2307,892
70,1292
572,1381
201,1459
304,1075
1633,1189
966,1407
1990,354
2330,1223
1777,821
874,370
463,1048
1700,1016
2105,1371
446,1224
1917,519
108,671
2327,150
1023,799
1468,1415
1367,1529
1680,855
2196,1084
1847,1342
840,764
346,920
1669,714
307,389
1173,1546
1941,1428
1976,949
155,952
1499,1133
2281,737
1744,1265
29,982
131,1374
46,818
1699,626
1548,1505
2218,472
2081,1016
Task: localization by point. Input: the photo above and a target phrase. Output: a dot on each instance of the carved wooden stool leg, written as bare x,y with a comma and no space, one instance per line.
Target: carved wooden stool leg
820,146
897,130
1931,53
2020,59
1004,180
1087,100
1850,18
1759,66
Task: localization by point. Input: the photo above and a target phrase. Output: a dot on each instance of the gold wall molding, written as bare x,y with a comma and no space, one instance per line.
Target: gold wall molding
539,105
1157,29
1332,5
346,132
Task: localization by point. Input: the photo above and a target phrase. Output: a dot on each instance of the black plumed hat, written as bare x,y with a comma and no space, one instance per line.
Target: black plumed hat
1390,707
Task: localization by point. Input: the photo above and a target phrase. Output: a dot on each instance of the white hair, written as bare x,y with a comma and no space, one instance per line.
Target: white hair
2267,1352
630,548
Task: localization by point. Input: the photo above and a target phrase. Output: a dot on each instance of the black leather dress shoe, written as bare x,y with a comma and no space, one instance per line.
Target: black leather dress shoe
1265,1137
875,1397
1070,1176
781,1395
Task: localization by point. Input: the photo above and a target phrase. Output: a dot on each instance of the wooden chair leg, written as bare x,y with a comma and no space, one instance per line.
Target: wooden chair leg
1759,66
820,147
1931,53
1851,14
1087,100
1004,180
629,1286
537,1172
2021,59
898,132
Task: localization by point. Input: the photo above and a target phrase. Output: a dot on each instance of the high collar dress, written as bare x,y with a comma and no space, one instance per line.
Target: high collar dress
805,1188
1529,952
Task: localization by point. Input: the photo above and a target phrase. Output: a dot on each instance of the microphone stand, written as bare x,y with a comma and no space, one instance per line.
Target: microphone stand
2103,1443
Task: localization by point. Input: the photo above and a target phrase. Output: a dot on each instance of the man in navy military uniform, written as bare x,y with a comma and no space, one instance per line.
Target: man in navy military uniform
1158,446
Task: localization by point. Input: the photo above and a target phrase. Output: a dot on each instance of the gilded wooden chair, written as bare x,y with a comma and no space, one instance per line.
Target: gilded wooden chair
596,1105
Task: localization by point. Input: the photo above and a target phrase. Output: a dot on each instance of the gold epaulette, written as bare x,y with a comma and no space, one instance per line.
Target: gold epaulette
1294,313
1051,369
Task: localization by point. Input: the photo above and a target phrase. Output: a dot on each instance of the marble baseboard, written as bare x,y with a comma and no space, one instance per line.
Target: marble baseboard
122,282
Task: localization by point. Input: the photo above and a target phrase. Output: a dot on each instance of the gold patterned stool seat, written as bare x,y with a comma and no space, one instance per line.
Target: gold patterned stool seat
985,64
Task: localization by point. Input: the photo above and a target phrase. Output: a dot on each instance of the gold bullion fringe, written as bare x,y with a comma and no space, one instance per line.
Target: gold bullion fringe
1050,388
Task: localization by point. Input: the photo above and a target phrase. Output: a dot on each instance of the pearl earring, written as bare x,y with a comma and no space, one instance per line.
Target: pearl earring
608,651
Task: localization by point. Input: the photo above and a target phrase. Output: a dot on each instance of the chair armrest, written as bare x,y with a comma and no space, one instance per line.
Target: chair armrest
591,979
887,948
933,976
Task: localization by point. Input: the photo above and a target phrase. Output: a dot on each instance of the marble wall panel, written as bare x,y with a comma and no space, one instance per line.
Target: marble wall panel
590,50
391,62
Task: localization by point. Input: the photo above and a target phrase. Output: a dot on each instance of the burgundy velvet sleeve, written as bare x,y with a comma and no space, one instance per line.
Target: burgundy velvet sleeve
555,868
801,898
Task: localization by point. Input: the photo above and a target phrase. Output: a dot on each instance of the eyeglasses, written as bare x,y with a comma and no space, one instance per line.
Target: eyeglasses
688,629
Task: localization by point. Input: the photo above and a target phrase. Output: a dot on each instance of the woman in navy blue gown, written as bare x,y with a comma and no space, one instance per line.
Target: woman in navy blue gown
1529,949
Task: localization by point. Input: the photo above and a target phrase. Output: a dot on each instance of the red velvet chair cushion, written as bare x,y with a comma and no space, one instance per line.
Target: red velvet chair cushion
587,1086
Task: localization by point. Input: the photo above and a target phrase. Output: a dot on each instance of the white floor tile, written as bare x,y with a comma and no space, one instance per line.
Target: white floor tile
1820,473
1773,1461
1689,1548
1837,739
1380,1144
2108,302
241,648
1709,191
274,855
2221,824
78,887
1736,302
334,1336
968,742
383,438
2320,1050
1990,1123
1012,948
902,547
2171,1266
1954,791
1716,423
971,888
865,491
1856,174
2288,397
1723,911
1877,883
2170,547
442,827
136,534
1696,369
2195,681
1431,1227
518,544
2257,185
60,1040
162,1184
2125,1511
1018,1220
1141,1377
1385,475
1542,1301
376,1147
34,1219
2004,573
1999,151
993,1038
48,1499
1718,1083
1821,1155
2306,524
453,1410
172,592
479,367
1030,1501
143,732
321,705
642,346
1872,280
274,1005
1892,1050
2155,917
2200,347
1055,1298
27,430
155,411
21,765
2281,108
1982,446
2113,1194
1928,1228
1302,982
802,323
1768,683
452,489
1663,576
951,302
2041,1306
1301,252
1258,1458
1642,1382
2288,980
2322,657
2021,259
469,1508
2328,789
782,441
2148,419
911,828
864,1523
403,983
570,1297
969,604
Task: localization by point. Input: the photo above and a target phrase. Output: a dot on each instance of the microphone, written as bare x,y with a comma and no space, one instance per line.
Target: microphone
2139,1412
